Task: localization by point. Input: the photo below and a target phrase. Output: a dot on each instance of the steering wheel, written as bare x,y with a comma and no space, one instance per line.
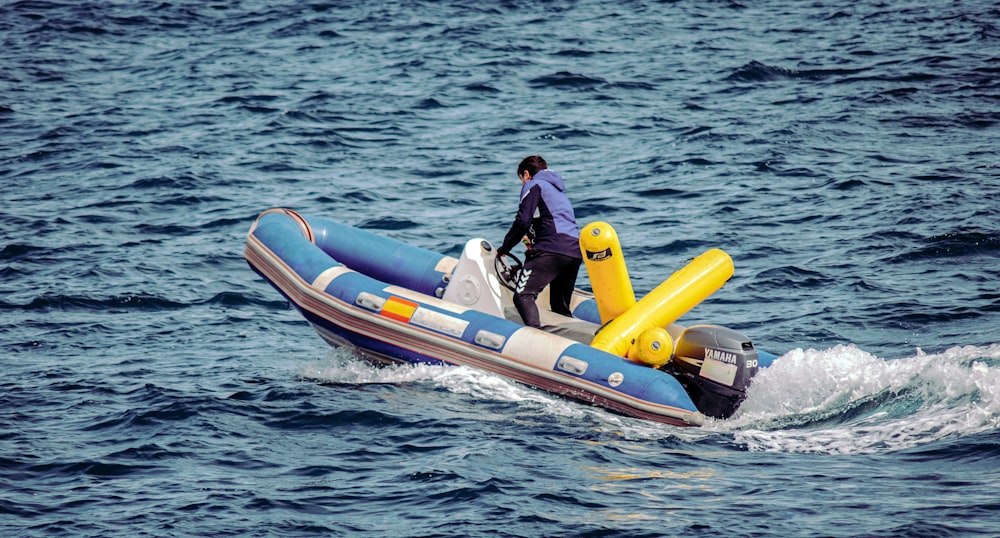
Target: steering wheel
508,273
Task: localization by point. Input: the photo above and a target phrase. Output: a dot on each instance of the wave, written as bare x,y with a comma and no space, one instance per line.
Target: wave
963,243
344,367
758,72
841,400
136,302
566,79
55,301
844,400
16,252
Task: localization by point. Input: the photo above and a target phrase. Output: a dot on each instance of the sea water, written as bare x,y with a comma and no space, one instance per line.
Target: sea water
843,153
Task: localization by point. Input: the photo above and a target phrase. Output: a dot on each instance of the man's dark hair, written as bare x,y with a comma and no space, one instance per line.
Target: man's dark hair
532,164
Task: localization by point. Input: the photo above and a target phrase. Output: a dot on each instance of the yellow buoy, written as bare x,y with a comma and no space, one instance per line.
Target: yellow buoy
653,347
668,302
602,255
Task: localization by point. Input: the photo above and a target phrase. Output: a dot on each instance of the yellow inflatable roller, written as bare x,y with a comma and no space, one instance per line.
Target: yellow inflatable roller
602,255
653,347
668,302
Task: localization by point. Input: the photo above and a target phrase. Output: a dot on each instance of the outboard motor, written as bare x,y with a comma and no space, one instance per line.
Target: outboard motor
715,365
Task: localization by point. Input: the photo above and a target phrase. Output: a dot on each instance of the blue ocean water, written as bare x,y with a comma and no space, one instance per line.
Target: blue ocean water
844,154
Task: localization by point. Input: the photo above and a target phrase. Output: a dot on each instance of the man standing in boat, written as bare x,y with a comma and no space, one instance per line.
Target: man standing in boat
552,258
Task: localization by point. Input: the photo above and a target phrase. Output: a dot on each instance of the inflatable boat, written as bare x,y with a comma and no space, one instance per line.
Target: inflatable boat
395,302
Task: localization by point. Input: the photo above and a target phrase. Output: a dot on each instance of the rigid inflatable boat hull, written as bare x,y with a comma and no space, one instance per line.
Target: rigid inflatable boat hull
394,313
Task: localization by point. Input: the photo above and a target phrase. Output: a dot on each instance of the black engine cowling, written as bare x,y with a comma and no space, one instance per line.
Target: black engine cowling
715,366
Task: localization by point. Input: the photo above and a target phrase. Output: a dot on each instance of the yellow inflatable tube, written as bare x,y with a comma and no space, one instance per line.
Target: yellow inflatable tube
602,255
668,302
653,347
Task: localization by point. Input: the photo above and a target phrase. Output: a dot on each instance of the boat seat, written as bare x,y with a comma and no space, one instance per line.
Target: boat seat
572,328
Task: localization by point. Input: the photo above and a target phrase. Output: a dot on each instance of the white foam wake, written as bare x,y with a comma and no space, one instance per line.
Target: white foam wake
841,400
343,366
845,400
